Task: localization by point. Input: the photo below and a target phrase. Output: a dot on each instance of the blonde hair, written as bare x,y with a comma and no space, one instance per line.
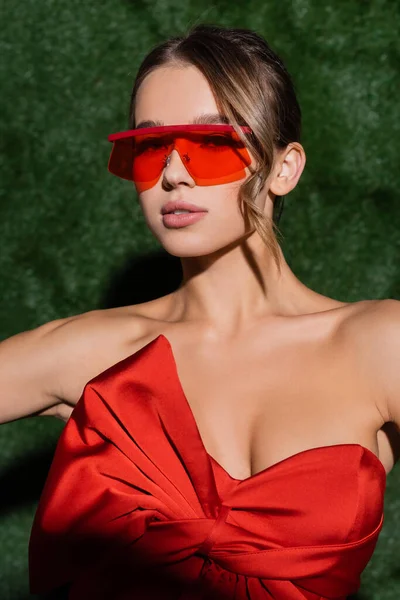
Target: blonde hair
253,88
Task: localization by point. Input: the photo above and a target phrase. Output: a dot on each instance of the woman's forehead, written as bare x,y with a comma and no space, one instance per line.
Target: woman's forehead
174,95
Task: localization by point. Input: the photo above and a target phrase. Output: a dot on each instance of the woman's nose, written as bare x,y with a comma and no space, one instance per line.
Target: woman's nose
175,169
174,157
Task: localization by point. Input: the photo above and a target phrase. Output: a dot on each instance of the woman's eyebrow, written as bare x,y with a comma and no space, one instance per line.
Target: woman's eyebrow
203,119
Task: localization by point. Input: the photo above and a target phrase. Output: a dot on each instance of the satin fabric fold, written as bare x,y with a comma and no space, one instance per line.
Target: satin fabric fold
134,507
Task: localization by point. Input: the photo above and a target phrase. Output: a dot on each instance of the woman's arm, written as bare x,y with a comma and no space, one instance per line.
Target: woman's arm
374,336
28,367
378,338
44,371
61,411
388,357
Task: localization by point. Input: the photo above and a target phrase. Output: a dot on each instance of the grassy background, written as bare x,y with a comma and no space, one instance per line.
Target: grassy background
72,236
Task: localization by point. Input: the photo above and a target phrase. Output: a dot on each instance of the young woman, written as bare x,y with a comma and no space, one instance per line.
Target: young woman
232,438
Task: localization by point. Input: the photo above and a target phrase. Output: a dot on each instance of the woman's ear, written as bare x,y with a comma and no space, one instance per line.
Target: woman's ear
288,168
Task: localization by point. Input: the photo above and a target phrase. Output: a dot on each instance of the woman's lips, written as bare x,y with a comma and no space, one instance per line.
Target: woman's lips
173,205
175,221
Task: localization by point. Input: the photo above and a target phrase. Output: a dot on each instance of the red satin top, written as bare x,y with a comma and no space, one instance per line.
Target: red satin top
135,508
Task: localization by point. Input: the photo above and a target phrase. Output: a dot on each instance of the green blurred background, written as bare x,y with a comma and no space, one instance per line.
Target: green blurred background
72,235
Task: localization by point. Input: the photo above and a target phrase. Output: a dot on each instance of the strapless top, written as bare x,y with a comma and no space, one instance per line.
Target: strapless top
135,508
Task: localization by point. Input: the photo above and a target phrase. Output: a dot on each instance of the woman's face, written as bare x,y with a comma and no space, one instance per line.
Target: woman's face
176,96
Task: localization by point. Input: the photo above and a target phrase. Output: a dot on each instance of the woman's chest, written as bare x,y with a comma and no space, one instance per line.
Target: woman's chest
256,404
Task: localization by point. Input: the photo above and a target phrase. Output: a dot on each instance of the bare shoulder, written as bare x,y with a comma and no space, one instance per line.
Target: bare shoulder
372,330
371,322
84,345
43,370
371,310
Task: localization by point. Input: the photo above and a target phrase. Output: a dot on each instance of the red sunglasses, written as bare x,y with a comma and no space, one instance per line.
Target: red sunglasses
212,154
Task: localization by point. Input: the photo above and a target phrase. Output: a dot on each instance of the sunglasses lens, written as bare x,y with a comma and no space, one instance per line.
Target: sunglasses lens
211,157
149,155
217,158
121,159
